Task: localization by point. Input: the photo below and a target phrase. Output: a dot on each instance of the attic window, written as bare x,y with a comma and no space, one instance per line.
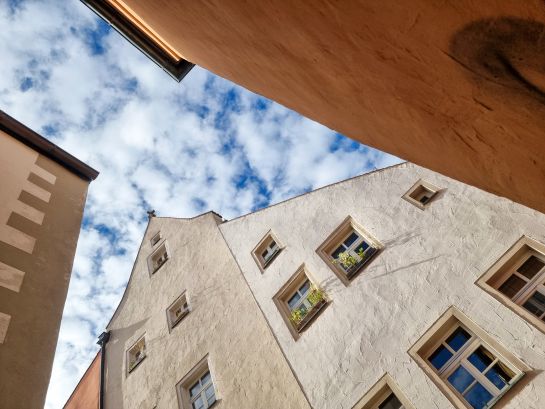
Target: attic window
158,258
348,249
421,194
136,354
177,311
266,251
155,239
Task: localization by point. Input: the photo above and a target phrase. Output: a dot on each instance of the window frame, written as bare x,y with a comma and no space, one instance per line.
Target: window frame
337,238
380,391
504,267
150,261
288,290
155,239
422,184
439,332
183,387
172,323
129,353
263,244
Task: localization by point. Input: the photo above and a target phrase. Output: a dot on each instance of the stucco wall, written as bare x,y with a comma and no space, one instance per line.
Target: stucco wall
86,394
245,361
430,261
41,207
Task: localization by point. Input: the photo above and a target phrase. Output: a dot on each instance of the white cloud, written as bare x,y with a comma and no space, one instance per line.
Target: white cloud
204,144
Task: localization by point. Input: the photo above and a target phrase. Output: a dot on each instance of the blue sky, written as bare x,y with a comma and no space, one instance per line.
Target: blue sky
181,149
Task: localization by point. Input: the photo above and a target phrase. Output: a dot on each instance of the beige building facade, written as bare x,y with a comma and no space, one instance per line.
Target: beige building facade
401,288
42,195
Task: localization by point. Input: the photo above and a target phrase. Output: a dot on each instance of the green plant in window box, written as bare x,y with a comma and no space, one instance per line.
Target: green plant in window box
348,260
315,297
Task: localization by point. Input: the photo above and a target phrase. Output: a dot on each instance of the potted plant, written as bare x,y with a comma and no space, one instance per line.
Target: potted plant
302,315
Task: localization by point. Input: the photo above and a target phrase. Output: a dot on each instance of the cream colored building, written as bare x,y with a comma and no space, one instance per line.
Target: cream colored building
42,195
400,288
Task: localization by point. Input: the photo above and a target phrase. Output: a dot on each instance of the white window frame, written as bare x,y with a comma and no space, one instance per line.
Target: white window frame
202,392
415,193
439,332
183,387
132,361
264,245
156,238
152,263
172,320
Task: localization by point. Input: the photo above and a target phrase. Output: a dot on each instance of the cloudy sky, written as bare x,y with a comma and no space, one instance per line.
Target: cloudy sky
181,149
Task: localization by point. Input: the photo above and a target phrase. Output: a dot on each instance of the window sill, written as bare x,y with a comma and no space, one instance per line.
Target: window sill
354,270
135,365
311,315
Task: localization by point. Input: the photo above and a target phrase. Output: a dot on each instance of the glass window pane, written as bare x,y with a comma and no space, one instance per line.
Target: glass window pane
500,375
209,392
304,288
362,247
531,267
338,250
458,339
478,396
440,357
391,402
293,300
536,304
199,403
461,379
205,378
195,389
512,286
272,245
351,239
265,254
481,358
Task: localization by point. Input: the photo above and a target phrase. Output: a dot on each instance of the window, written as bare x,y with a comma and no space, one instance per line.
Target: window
300,301
158,258
385,394
177,311
421,194
266,251
463,362
155,239
348,249
136,354
196,390
518,280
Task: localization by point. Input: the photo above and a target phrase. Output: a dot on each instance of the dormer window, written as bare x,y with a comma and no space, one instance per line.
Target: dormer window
348,249
266,251
421,194
177,311
158,258
136,354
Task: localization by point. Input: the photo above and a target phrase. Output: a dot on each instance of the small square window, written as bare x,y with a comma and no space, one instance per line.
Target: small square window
196,390
266,251
385,394
348,249
421,194
177,311
158,258
517,280
155,239
300,301
136,354
472,369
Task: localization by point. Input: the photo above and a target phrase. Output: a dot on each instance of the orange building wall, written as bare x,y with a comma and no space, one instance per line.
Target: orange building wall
455,86
86,394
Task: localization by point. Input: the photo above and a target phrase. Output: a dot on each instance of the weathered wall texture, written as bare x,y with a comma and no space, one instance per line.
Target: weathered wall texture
430,262
225,323
41,206
86,394
456,86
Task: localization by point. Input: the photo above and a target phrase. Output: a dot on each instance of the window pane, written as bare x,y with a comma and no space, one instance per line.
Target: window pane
206,378
293,300
265,253
199,403
209,392
440,357
272,245
195,389
512,286
461,379
458,339
304,288
362,247
500,375
351,239
478,396
391,402
536,304
481,358
338,251
531,267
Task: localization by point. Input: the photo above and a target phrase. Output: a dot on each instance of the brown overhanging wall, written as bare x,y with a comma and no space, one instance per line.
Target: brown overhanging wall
177,69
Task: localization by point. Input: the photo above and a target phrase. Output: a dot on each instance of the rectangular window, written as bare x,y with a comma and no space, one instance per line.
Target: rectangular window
421,194
136,354
299,301
177,311
158,258
475,373
196,390
517,279
155,239
266,251
385,394
348,249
